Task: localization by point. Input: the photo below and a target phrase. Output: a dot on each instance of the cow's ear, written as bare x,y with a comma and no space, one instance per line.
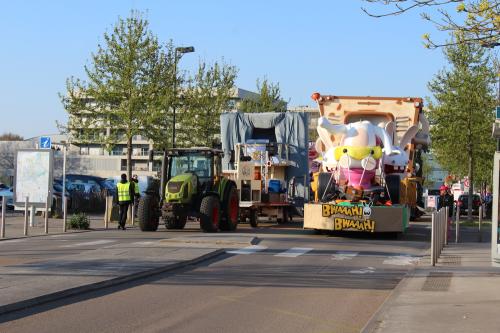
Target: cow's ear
320,146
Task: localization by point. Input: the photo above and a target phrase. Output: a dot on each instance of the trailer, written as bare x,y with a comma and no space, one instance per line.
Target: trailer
260,178
266,156
371,165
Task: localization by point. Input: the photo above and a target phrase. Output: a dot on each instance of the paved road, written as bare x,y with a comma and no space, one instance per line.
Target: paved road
291,281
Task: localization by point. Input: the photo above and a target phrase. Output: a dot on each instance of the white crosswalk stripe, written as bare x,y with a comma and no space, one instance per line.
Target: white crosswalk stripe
344,255
400,260
248,250
294,252
97,242
143,243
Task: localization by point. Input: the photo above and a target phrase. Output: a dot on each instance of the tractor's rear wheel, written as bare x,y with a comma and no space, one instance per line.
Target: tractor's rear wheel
231,210
210,214
147,213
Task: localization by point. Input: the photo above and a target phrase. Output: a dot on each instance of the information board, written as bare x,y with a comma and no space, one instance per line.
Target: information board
33,177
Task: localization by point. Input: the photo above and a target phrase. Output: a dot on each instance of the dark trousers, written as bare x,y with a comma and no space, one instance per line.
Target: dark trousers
123,213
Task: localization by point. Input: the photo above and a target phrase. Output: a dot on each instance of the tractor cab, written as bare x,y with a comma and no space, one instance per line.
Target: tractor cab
199,168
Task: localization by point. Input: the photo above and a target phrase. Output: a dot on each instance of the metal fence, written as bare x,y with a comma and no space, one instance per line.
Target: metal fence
439,233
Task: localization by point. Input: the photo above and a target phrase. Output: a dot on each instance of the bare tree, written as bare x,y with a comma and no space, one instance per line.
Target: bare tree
481,18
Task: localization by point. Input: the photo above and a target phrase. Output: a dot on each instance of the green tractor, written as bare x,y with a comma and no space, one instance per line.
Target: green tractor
195,188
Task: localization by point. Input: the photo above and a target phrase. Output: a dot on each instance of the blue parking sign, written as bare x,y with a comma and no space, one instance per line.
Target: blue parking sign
45,142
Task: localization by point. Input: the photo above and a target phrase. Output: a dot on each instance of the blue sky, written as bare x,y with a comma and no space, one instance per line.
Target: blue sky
326,46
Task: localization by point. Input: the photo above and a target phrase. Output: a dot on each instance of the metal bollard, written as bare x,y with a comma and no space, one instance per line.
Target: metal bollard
47,215
439,231
106,213
2,226
32,216
65,212
480,216
457,224
433,239
26,217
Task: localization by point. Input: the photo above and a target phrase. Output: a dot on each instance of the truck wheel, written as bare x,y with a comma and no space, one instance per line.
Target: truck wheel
175,222
231,210
210,214
147,213
253,218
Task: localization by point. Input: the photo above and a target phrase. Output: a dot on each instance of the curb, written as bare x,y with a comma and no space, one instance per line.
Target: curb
21,305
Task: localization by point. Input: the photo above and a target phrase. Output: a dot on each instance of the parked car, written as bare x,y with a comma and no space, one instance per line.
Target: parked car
57,196
7,193
463,202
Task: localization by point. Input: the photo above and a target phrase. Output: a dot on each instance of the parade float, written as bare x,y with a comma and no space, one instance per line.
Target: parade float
369,178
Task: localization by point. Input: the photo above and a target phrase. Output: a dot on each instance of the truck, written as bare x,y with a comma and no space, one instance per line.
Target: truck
371,165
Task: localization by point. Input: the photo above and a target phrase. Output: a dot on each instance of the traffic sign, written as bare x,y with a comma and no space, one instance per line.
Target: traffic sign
45,142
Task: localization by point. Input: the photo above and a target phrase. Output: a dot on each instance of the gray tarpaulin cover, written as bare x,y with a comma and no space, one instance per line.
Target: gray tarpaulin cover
289,127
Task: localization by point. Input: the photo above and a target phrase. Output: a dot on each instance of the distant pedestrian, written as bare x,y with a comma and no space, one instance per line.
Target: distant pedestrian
445,199
125,195
137,192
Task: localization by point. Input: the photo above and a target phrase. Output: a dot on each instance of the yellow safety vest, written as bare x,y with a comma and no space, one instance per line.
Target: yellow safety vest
123,192
136,188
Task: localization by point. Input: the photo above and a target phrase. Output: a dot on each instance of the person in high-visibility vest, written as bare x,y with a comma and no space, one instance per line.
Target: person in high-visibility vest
125,194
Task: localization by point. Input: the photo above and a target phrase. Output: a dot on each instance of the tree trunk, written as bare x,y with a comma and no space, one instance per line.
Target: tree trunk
471,189
129,158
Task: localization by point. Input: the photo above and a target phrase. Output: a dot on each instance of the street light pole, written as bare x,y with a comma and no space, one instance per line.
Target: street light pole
178,52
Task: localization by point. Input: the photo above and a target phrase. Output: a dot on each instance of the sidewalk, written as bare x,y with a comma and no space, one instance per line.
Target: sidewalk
460,294
14,225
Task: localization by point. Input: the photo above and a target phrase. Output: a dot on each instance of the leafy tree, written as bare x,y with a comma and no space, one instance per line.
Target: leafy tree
462,114
8,136
206,97
122,84
269,99
481,22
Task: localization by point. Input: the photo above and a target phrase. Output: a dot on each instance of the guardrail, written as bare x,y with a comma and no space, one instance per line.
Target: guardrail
439,233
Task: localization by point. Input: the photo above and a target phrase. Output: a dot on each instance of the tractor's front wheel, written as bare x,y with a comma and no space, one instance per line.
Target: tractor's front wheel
147,212
210,214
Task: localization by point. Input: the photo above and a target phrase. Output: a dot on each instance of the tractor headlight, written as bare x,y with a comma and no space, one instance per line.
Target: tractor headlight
174,187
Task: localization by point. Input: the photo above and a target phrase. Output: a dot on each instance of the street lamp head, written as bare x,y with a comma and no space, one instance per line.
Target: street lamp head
186,49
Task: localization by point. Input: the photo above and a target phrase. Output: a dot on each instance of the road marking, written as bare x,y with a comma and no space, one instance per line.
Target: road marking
400,260
98,242
248,250
344,255
294,252
143,243
363,270
65,235
13,241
